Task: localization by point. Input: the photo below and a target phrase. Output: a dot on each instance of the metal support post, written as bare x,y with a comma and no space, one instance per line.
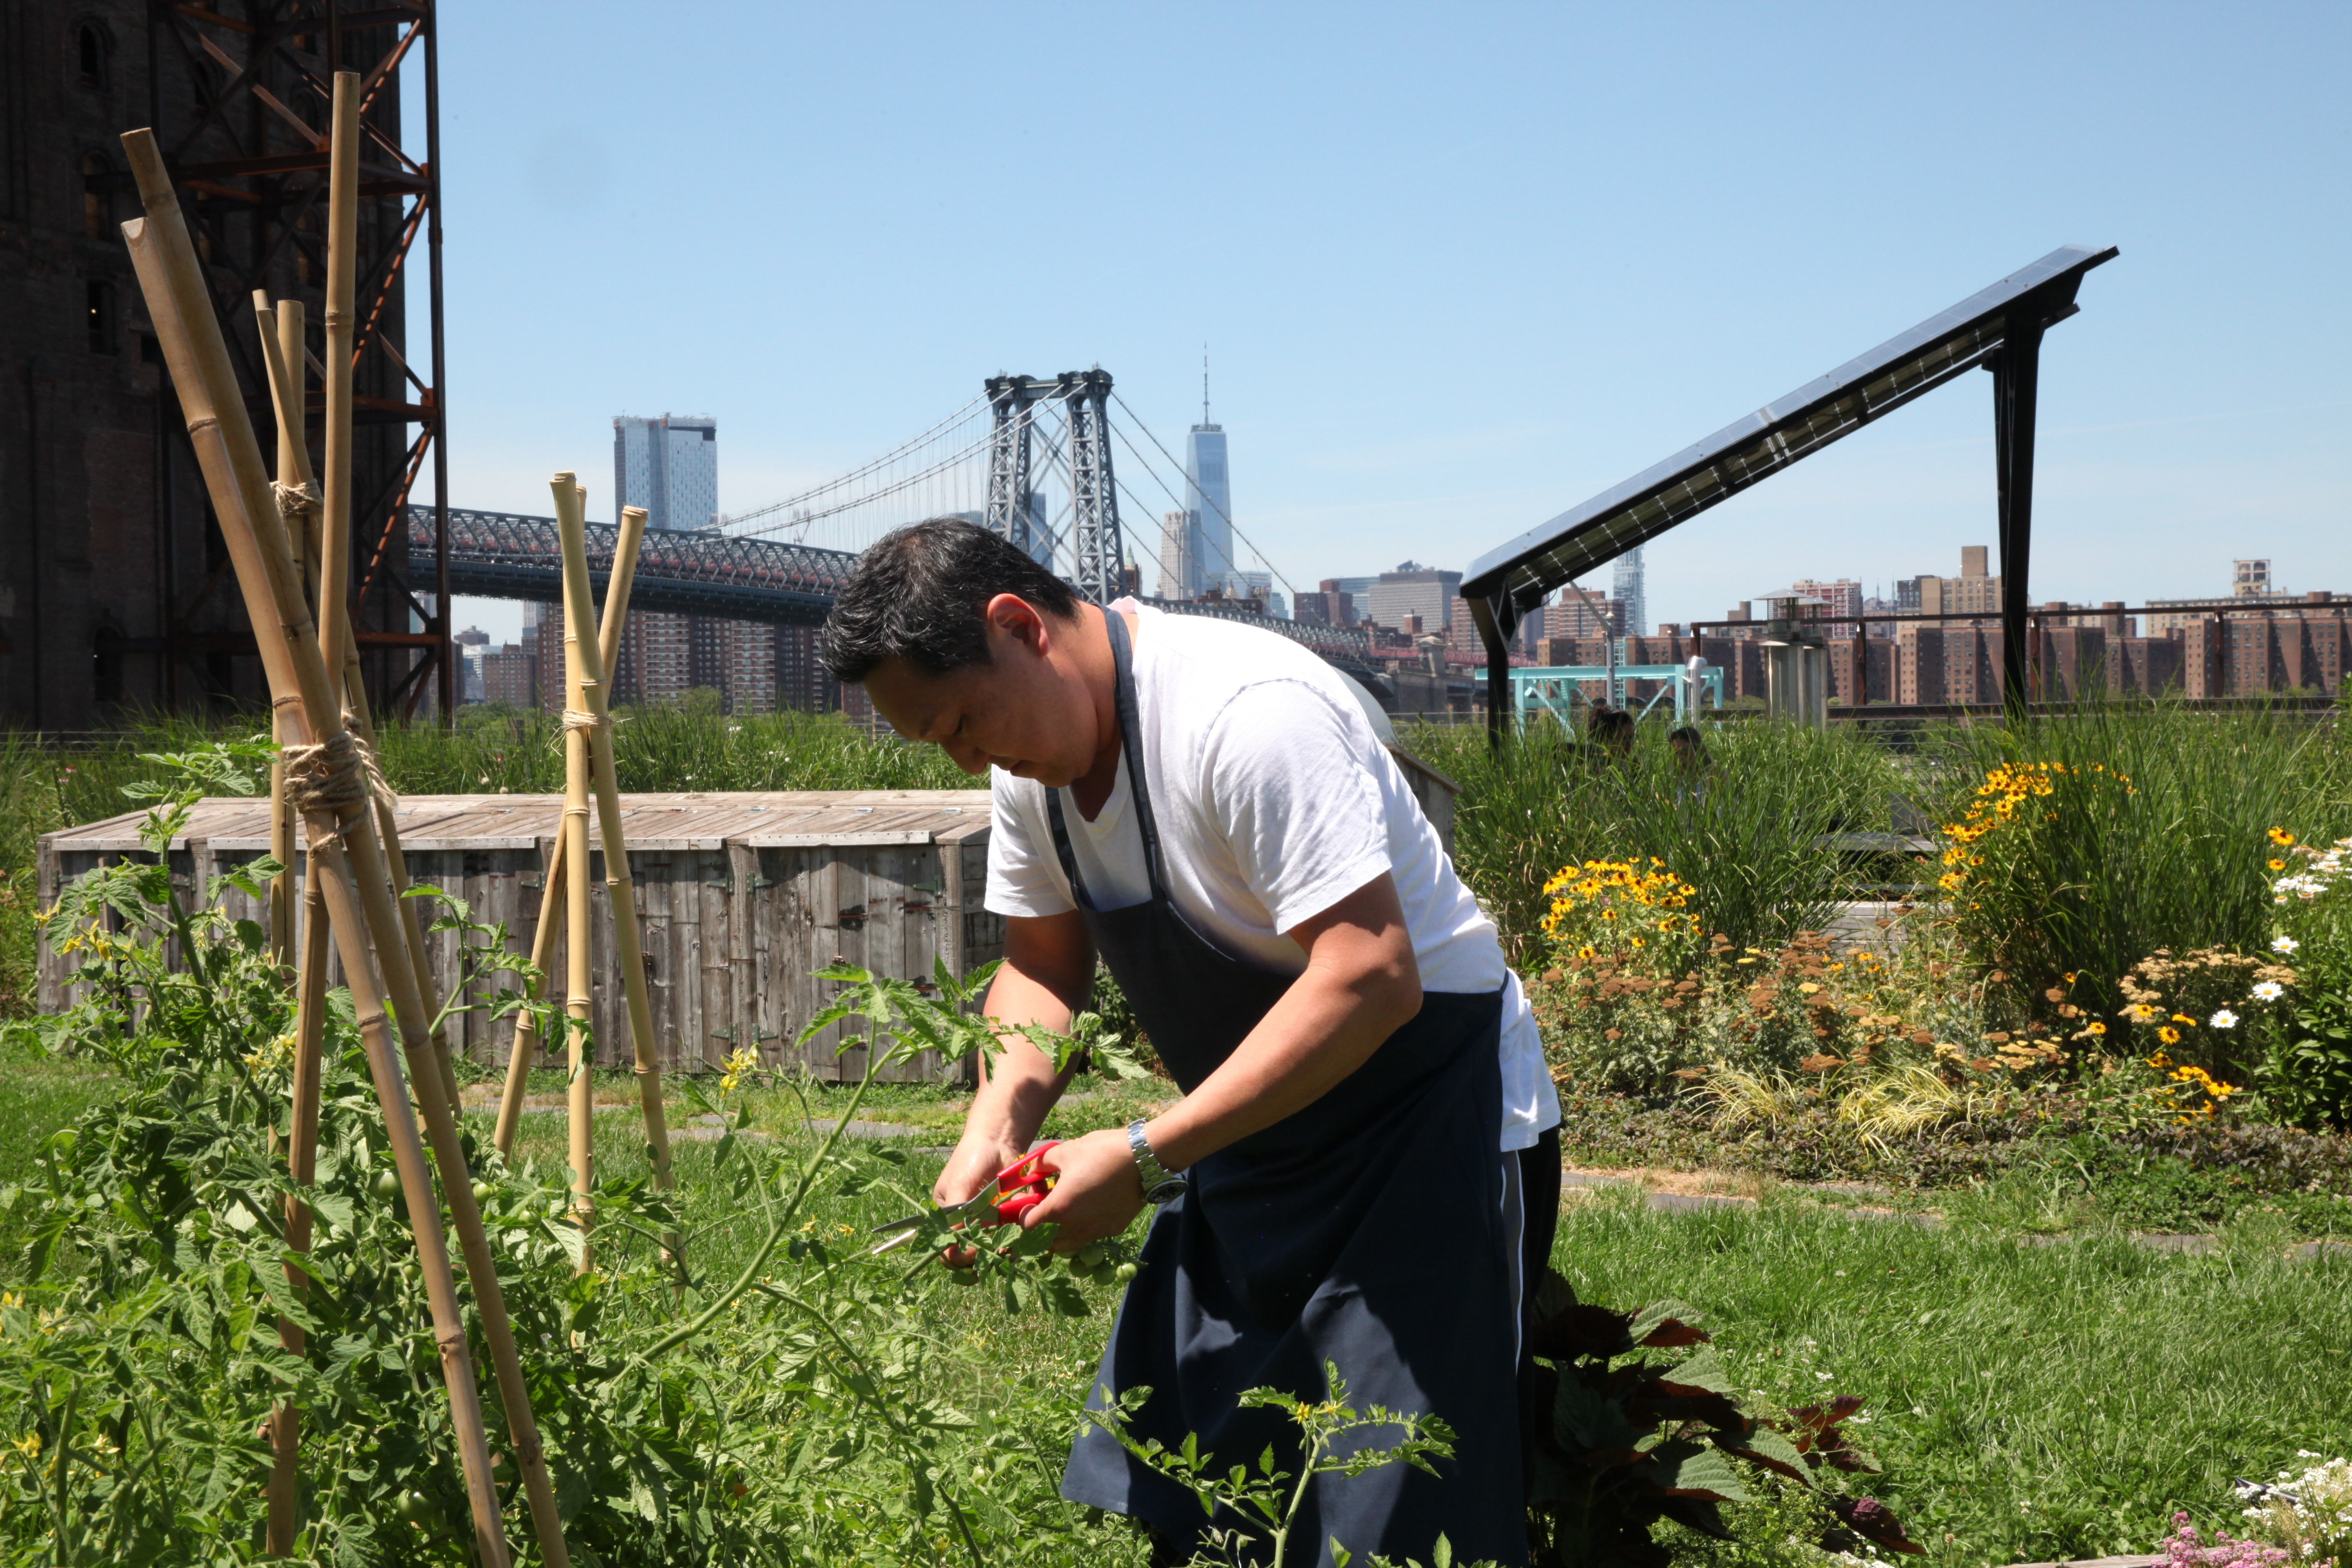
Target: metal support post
1500,693
2016,372
1094,498
1011,398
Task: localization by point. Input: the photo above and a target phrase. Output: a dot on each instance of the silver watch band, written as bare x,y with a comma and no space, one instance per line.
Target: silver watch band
1159,1183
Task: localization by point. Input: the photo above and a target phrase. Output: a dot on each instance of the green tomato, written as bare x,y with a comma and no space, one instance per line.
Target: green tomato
1090,1255
418,1510
482,1191
386,1185
1124,1272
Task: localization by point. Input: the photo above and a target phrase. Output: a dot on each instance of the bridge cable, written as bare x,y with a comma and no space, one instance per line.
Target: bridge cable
860,472
1231,565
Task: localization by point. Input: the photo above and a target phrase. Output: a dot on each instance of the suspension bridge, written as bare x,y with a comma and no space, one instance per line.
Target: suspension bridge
1043,461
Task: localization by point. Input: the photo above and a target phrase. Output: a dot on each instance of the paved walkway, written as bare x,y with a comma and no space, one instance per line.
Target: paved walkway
1705,1203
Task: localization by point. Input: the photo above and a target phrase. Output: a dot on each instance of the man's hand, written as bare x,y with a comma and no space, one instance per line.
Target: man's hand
978,1157
970,1170
1099,1192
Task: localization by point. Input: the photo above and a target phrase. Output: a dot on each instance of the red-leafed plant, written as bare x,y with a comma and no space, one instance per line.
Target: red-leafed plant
1617,1440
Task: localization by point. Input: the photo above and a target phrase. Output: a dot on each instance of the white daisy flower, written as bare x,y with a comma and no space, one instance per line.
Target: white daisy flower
2269,991
2283,944
2224,1020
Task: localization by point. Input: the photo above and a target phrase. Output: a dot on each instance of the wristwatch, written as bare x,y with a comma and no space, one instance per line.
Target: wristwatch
1160,1183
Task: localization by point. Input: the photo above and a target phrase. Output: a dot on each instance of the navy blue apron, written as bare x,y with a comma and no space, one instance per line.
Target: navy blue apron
1366,1230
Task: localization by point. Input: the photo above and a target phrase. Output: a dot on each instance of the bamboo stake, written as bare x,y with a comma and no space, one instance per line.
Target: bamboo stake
281,820
572,528
343,848
448,1148
302,1168
525,1049
310,978
581,1099
337,640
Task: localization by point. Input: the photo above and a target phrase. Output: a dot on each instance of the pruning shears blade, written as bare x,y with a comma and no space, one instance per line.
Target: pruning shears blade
1018,1187
960,1214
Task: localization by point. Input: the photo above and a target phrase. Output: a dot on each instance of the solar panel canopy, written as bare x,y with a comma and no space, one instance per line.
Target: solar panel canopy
1520,574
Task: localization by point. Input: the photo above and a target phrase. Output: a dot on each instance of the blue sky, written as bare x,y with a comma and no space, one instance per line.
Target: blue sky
1458,267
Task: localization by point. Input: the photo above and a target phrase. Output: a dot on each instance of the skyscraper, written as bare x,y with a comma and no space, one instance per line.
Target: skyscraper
668,466
1208,500
1175,550
1627,588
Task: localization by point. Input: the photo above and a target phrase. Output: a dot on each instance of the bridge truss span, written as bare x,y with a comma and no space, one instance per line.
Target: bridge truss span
508,555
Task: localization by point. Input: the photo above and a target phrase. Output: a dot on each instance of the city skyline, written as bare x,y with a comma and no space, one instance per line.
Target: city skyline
1352,270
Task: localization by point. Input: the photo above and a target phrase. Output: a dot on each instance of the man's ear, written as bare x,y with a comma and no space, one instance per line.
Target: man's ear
1013,617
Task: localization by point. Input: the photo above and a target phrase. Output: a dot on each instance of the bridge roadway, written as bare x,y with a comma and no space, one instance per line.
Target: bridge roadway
508,555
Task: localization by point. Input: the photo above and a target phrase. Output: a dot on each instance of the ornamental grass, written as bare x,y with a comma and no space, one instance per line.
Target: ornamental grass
2084,841
1748,827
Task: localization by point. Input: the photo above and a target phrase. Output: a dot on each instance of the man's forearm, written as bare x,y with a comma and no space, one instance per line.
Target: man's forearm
1020,1086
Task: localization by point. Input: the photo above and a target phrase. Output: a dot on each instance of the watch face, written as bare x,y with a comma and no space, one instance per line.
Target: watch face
1173,1187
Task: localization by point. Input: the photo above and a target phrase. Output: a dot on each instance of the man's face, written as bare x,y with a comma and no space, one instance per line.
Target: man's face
1027,711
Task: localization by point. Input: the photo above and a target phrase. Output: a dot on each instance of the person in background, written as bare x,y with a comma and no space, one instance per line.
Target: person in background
1612,731
1690,749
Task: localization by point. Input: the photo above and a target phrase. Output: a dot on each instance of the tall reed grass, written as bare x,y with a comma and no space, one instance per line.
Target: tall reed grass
1749,829
2164,849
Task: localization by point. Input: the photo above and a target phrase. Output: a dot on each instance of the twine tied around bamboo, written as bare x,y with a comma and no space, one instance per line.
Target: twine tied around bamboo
295,501
329,777
379,789
337,776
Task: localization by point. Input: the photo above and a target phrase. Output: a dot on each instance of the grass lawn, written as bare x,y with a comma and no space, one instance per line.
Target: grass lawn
2032,1399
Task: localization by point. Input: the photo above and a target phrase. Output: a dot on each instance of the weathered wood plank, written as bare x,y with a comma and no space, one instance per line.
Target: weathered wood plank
740,897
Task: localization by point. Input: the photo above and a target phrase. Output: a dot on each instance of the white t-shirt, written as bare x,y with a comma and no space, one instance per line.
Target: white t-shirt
1275,800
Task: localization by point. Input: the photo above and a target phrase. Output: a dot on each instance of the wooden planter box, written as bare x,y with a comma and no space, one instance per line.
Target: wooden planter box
739,897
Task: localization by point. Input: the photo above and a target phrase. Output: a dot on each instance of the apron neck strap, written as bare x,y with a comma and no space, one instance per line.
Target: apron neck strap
1131,734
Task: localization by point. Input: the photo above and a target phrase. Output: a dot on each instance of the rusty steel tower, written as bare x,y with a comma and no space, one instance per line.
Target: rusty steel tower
116,595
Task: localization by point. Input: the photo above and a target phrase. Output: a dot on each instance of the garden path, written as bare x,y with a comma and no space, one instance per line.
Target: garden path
1693,1192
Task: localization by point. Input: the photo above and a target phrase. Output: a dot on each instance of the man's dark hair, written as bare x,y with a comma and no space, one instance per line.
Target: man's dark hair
918,593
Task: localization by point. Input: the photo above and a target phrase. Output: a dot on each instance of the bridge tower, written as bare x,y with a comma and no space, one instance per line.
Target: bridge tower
1084,396
1012,399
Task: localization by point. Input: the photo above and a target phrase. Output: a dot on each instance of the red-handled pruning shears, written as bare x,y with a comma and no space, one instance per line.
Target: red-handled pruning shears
1020,1187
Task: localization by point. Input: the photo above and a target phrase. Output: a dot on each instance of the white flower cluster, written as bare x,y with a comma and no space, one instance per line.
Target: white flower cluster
2310,1513
2319,873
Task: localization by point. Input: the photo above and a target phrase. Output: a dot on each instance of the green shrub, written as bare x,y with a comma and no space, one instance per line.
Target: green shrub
2309,1078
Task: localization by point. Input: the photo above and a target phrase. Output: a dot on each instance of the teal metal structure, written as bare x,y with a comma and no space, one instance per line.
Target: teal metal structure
1557,688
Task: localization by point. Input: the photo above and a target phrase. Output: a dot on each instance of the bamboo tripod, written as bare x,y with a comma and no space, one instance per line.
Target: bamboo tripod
345,856
588,765
551,892
588,755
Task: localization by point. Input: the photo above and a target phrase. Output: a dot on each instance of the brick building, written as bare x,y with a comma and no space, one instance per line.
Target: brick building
510,677
2143,667
1569,615
1973,592
1861,669
1329,606
1948,663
